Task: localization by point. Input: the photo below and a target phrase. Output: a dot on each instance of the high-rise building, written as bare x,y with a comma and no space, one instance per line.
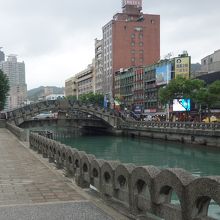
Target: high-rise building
130,39
2,55
18,87
98,67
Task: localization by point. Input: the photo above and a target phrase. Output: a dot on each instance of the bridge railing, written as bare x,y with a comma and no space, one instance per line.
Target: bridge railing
178,125
114,118
140,190
19,115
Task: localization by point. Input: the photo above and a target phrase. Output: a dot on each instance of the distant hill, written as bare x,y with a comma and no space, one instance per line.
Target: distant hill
195,67
42,91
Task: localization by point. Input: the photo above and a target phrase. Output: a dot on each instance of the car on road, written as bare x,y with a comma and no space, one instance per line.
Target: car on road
44,115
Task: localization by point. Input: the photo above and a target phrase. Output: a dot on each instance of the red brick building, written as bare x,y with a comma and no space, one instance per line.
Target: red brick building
131,38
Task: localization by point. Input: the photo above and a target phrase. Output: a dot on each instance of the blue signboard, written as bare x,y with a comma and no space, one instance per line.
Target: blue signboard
163,74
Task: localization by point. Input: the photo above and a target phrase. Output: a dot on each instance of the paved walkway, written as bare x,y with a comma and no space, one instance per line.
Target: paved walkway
29,189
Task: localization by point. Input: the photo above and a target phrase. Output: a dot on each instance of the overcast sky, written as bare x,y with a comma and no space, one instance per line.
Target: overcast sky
55,38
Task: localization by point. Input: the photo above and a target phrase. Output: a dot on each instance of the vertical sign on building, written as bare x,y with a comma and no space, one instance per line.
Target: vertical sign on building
182,67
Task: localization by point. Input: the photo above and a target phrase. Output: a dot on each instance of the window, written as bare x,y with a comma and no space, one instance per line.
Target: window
140,44
132,43
152,21
132,35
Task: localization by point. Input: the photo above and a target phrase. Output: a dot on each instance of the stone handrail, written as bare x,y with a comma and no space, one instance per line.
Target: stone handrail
165,124
142,191
19,132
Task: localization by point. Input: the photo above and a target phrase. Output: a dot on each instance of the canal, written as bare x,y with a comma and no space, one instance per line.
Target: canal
200,161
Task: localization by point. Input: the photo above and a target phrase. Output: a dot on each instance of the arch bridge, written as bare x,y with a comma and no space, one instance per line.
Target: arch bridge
20,115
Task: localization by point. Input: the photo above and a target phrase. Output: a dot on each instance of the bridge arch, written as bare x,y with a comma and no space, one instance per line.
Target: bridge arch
20,115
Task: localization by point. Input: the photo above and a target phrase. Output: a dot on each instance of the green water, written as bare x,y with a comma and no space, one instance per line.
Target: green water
197,160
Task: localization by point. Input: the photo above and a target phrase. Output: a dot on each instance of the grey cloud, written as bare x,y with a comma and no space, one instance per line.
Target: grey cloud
39,28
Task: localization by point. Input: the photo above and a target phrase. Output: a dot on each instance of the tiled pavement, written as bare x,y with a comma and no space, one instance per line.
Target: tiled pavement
24,179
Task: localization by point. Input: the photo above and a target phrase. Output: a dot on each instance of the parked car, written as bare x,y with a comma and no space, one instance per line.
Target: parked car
44,115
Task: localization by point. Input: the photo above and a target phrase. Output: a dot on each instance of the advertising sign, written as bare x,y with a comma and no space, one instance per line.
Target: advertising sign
138,109
181,105
138,3
182,67
163,74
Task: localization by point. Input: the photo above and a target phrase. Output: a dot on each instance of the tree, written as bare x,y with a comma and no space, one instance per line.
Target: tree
208,96
91,98
72,97
179,88
4,88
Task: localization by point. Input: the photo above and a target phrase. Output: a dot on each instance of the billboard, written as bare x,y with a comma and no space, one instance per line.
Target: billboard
182,67
181,105
163,74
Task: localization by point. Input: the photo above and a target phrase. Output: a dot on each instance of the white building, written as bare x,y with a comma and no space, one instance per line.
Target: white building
211,63
18,87
55,96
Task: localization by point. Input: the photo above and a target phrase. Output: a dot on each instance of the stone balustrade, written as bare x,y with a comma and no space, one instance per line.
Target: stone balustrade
19,132
165,124
141,191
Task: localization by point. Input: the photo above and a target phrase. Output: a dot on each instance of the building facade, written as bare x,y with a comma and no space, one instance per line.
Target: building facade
124,86
71,86
2,56
139,86
54,96
130,39
98,76
82,82
211,63
85,80
18,87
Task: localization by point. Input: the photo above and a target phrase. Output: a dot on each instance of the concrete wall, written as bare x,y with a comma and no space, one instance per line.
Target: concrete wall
2,123
193,133
141,191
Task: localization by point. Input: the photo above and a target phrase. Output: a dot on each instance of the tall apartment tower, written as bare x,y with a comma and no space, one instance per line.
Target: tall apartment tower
2,55
130,39
16,75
